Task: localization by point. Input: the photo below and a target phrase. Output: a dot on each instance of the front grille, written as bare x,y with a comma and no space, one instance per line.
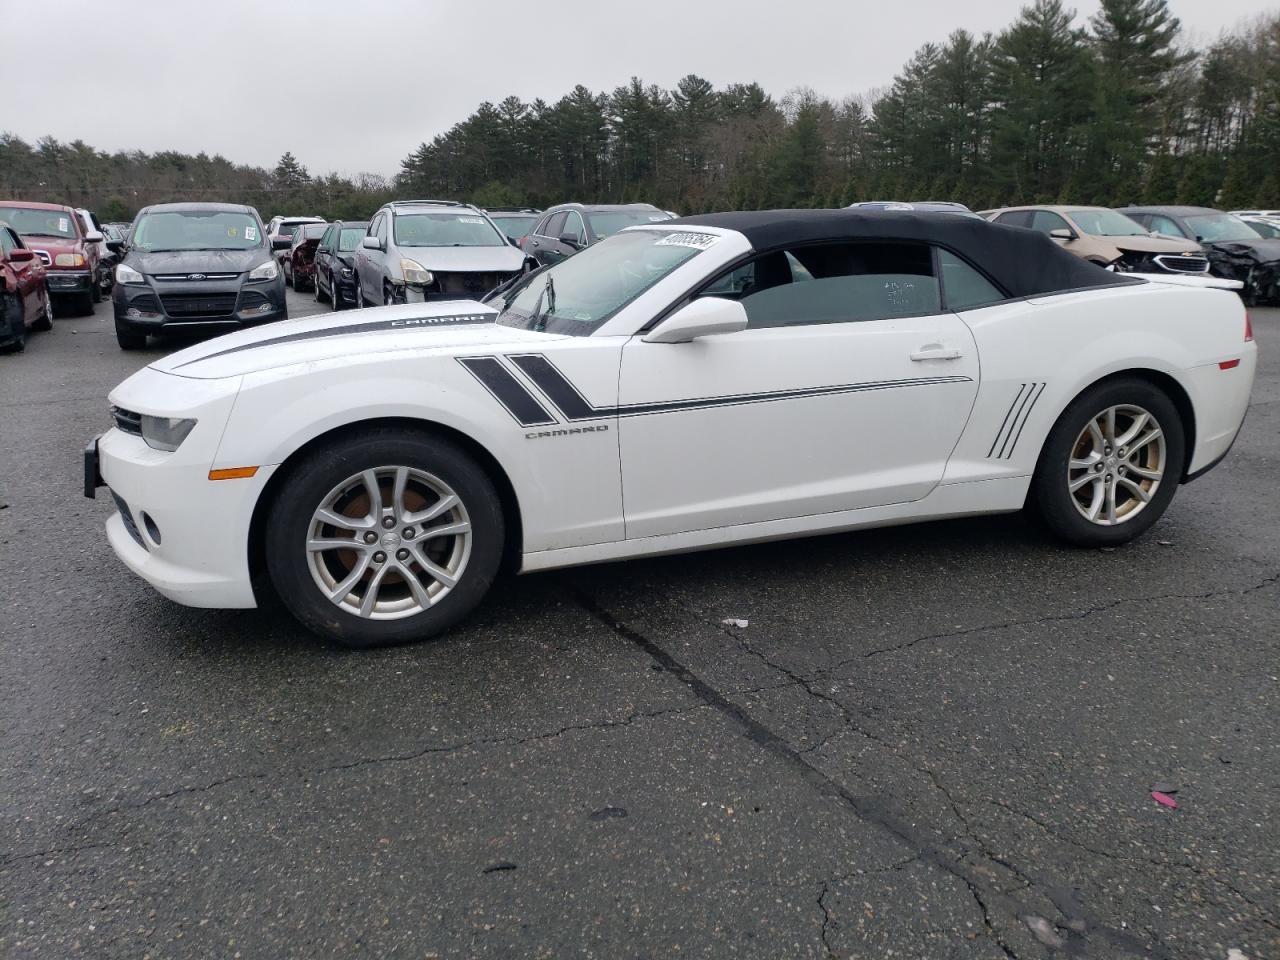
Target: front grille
206,305
467,284
44,256
127,517
185,277
1182,264
127,420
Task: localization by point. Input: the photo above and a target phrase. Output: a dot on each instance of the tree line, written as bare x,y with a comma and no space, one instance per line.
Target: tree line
1118,109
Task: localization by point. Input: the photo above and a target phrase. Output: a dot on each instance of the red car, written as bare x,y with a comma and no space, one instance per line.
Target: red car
70,254
24,298
299,262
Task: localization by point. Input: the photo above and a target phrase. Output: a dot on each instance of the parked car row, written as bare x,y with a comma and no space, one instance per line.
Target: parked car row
78,257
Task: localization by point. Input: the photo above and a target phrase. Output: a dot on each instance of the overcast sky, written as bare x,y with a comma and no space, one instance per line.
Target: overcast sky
354,86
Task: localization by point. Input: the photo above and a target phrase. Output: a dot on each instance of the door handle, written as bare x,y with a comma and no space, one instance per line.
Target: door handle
936,351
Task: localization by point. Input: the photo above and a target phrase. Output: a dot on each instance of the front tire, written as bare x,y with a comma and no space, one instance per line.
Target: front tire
130,341
1111,464
45,321
388,537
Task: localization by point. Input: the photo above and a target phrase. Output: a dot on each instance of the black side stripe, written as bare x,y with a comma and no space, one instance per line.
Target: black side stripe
573,406
508,391
1015,419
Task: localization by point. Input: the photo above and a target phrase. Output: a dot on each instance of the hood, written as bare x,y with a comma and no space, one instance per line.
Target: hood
1161,244
462,325
1262,250
196,261
504,259
53,245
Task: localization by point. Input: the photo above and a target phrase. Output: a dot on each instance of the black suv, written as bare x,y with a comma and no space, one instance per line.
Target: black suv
195,266
569,227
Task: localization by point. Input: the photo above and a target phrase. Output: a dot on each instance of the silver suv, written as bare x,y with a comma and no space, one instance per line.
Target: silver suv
417,250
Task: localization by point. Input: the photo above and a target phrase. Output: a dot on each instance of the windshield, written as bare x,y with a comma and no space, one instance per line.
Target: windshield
1107,223
350,238
39,223
446,230
196,230
1216,227
512,225
607,224
579,294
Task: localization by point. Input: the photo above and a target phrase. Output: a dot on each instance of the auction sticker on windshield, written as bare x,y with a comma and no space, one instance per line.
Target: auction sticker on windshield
251,233
698,241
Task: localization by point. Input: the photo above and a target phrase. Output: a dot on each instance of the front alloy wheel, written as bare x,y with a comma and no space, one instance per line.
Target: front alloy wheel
384,537
389,542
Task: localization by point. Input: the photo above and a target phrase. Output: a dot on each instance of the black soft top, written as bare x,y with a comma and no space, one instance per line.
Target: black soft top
1024,262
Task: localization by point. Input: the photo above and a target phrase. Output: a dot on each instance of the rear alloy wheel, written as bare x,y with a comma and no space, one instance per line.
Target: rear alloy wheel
384,539
1111,464
335,296
315,288
45,320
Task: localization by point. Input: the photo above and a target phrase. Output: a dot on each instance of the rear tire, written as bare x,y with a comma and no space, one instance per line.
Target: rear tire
84,304
288,275
335,295
1124,474
332,479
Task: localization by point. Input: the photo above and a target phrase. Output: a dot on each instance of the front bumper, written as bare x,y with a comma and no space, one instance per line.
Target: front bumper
219,304
186,535
68,281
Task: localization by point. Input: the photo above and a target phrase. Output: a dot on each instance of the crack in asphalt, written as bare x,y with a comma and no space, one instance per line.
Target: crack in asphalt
1145,861
871,810
826,919
356,764
1052,618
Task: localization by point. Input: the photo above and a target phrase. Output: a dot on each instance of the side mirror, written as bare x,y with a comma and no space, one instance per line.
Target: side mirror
20,255
1062,233
115,245
704,317
94,236
371,243
570,240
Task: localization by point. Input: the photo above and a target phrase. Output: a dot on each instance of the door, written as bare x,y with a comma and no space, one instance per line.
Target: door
323,255
849,388
369,262
547,246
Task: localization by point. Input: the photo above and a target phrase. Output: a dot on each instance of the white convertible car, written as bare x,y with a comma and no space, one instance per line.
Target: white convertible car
720,379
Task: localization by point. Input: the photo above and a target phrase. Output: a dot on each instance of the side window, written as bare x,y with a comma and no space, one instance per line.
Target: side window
834,283
8,241
1015,218
1164,225
326,241
573,224
555,226
1046,221
964,287
380,227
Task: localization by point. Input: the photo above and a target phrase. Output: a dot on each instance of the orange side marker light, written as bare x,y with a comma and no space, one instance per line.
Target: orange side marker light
233,473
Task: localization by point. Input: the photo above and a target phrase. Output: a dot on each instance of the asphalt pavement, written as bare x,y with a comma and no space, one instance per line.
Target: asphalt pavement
936,741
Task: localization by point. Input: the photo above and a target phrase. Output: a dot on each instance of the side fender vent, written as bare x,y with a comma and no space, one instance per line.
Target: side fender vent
1015,419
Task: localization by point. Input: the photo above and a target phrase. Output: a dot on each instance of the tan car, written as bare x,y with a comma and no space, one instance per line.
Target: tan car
1107,238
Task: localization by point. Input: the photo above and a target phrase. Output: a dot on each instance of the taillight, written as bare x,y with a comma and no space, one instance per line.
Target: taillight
1248,328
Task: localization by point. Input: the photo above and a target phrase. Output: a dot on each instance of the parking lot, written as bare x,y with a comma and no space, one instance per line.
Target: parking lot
933,741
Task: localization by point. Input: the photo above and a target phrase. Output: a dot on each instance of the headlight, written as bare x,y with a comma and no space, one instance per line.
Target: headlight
128,275
69,260
346,273
414,272
165,433
264,271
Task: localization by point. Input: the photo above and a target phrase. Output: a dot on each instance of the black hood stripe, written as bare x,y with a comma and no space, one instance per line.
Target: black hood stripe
377,326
